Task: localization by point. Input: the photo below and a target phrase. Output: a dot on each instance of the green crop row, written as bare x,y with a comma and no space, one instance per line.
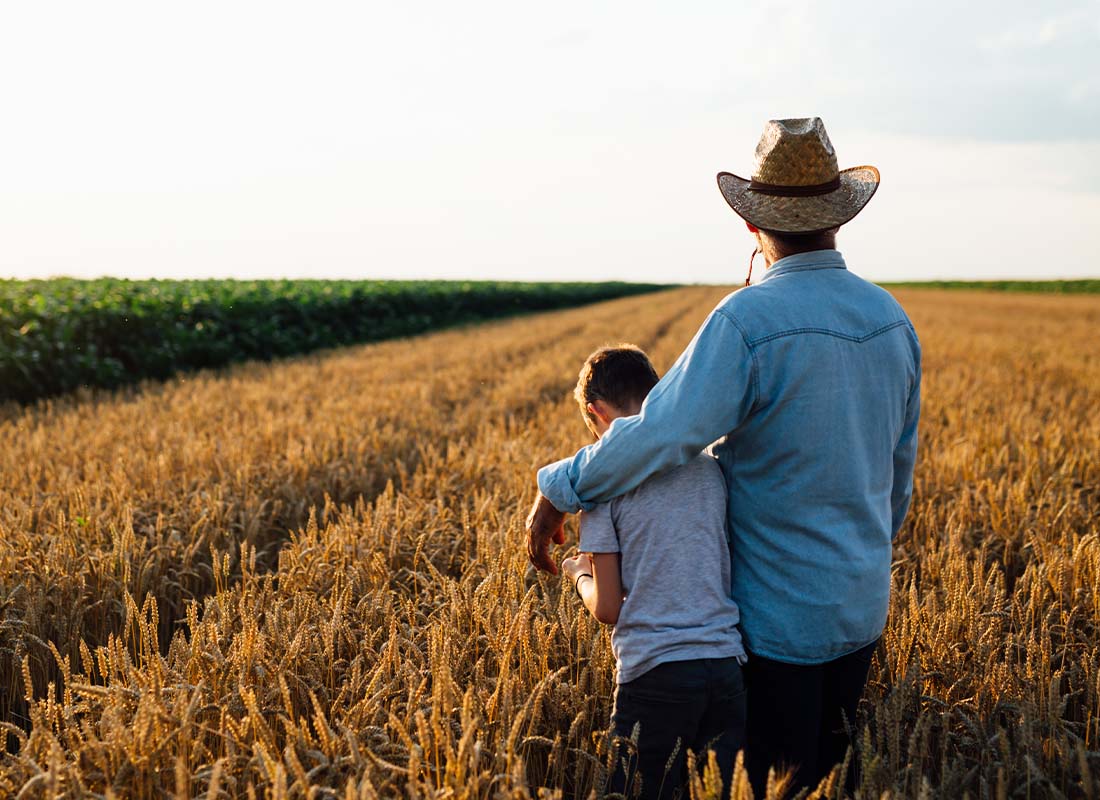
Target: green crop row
60,334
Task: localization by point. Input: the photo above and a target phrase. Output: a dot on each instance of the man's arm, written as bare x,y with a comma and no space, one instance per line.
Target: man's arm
905,455
707,393
544,524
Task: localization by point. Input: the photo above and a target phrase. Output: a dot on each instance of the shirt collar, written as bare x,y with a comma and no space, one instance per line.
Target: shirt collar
814,259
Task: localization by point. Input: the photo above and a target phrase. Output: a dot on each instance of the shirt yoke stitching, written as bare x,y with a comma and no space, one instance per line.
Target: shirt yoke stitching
827,332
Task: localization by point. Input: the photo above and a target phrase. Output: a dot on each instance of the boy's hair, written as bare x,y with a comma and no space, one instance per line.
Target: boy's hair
621,375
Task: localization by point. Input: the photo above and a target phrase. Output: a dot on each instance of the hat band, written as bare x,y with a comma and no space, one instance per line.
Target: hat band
780,190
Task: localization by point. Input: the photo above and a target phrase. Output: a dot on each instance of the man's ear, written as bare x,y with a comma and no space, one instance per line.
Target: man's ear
752,228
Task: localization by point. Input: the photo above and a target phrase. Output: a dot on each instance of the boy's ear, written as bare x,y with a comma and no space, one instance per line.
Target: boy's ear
597,409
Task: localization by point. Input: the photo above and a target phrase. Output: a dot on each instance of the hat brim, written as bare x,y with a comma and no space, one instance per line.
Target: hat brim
801,214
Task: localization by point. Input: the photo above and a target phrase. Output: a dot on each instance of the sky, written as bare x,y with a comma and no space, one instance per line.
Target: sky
536,141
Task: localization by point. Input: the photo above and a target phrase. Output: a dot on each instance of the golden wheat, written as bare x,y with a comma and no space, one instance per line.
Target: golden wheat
307,579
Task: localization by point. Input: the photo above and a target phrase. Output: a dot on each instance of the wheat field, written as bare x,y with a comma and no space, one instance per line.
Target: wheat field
307,579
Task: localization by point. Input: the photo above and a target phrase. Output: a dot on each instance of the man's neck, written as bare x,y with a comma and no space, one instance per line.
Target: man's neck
773,254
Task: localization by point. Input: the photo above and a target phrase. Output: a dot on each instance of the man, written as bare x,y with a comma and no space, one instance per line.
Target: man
808,385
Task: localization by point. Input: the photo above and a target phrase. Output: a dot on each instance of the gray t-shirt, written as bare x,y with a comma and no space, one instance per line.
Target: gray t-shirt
671,532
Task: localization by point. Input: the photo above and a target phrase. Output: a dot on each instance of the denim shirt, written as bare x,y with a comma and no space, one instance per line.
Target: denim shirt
807,385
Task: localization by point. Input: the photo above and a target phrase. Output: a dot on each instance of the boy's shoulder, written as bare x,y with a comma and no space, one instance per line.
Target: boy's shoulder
697,488
691,497
696,479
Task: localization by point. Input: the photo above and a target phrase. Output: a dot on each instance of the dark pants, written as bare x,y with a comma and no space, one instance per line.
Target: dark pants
698,704
798,713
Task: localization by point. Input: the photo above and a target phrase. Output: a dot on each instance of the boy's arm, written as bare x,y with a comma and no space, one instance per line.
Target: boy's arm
603,592
596,576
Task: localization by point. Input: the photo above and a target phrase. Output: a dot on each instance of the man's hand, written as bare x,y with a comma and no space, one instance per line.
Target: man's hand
544,524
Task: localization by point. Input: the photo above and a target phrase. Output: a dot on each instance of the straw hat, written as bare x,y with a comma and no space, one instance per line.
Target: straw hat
796,186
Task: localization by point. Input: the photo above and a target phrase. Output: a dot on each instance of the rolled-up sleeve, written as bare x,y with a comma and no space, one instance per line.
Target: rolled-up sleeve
706,394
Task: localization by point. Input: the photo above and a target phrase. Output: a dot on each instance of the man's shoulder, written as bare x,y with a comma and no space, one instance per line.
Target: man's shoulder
763,308
747,298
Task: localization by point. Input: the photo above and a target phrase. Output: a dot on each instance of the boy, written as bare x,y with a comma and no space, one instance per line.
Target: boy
655,563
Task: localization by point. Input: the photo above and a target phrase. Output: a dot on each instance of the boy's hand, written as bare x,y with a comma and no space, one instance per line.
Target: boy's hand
544,524
576,566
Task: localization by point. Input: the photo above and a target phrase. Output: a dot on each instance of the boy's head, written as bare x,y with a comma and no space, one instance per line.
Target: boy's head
613,383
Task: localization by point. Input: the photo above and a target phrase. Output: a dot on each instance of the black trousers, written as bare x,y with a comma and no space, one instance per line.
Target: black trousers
797,715
679,704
